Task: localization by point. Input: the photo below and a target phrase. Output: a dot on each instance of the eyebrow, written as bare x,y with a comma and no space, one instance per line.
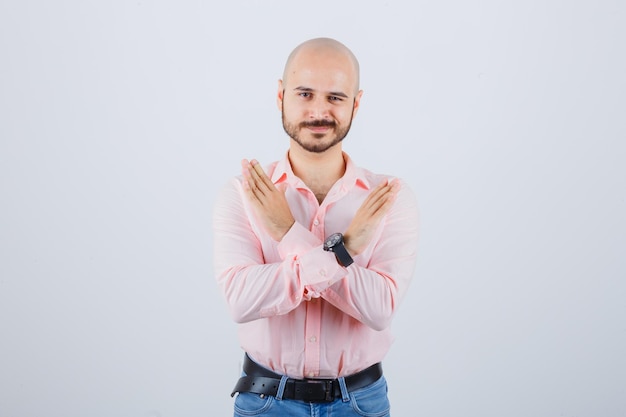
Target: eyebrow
331,93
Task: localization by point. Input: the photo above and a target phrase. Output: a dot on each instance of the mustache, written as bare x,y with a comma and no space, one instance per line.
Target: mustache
319,123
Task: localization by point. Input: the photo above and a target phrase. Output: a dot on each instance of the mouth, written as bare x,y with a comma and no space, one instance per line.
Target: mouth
319,129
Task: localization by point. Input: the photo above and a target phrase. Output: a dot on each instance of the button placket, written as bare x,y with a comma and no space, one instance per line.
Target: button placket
312,332
317,225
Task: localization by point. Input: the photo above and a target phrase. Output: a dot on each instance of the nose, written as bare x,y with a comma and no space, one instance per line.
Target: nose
319,109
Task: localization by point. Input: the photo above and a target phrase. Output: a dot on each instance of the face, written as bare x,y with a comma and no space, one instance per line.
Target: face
318,100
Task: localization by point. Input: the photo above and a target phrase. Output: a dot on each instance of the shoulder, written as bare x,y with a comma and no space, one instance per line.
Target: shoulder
372,179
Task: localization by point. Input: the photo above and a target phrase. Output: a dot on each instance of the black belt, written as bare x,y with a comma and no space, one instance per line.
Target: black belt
260,380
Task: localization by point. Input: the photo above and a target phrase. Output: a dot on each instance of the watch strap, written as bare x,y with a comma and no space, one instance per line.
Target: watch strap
342,255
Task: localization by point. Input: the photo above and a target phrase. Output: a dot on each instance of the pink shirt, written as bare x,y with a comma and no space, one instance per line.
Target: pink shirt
301,313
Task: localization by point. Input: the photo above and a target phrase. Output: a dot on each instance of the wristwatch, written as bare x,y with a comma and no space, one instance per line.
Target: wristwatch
334,243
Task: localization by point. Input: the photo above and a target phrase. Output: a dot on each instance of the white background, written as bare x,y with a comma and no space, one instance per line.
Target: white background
120,120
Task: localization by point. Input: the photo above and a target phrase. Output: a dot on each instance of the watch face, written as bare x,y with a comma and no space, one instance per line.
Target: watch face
332,240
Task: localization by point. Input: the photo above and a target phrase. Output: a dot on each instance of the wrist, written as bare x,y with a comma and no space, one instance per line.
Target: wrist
346,244
280,234
335,243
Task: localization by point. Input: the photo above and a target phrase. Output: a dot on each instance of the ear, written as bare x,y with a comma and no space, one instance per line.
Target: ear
279,96
357,102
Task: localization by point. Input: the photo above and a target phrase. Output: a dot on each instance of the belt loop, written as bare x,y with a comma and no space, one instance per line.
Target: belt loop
281,387
344,390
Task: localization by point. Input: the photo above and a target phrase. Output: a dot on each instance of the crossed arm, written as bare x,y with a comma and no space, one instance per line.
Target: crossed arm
271,206
256,287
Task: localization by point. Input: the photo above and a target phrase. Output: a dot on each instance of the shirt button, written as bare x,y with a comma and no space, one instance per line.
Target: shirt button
311,374
323,272
316,222
312,339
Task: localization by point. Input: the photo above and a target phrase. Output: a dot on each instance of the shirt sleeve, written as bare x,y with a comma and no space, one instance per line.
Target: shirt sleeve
253,285
372,292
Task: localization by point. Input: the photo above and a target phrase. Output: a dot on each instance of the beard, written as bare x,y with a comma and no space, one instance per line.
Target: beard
317,146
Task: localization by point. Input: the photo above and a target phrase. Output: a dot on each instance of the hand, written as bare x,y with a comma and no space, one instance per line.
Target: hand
368,216
269,202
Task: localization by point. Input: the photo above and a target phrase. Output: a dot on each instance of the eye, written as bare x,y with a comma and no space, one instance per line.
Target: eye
334,98
304,94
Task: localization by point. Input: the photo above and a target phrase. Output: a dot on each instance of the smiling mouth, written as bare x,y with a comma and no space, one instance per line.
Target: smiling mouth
319,129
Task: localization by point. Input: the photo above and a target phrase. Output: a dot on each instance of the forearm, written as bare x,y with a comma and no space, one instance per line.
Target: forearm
372,288
370,296
259,277
256,291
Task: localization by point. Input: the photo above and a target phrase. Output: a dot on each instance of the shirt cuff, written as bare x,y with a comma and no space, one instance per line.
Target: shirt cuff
297,241
319,270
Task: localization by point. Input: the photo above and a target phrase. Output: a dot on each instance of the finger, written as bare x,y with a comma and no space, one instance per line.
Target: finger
381,199
264,183
388,199
247,170
380,192
250,192
245,167
257,185
251,186
380,209
389,187
378,205
258,169
385,187
258,182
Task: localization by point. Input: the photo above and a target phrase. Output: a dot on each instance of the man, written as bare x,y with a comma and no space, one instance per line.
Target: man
314,254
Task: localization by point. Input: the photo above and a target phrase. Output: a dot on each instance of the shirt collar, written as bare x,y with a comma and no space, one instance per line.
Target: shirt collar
354,176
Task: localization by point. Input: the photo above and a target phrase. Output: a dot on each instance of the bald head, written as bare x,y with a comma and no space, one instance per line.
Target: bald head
326,50
319,95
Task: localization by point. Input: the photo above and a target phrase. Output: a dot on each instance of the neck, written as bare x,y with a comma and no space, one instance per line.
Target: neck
319,171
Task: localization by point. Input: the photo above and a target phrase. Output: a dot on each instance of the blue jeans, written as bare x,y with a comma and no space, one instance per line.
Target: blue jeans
369,401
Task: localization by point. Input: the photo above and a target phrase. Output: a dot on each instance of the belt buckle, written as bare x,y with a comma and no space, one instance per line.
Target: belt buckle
330,393
325,385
